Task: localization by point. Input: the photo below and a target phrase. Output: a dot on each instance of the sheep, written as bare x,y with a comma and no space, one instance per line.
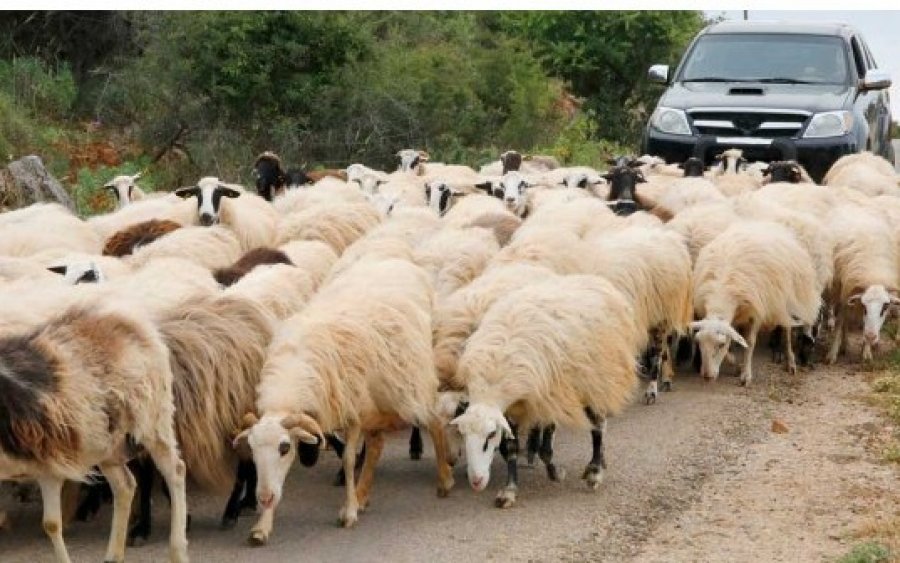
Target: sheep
80,391
693,167
246,263
785,171
866,175
580,216
467,208
503,225
336,225
511,189
558,249
440,196
864,159
754,274
281,289
458,315
412,160
573,177
326,191
730,161
314,257
217,346
542,196
358,359
559,351
168,207
684,193
454,257
211,247
728,176
866,273
251,218
623,196
45,227
126,241
700,224
652,268
126,190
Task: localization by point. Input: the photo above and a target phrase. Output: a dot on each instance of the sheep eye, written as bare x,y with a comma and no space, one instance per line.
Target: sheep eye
884,309
284,448
492,435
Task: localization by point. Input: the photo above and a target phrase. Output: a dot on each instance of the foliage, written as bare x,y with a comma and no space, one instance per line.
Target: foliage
868,552
201,93
895,130
605,56
88,192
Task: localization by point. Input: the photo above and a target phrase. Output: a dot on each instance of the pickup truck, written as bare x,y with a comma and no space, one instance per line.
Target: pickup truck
808,92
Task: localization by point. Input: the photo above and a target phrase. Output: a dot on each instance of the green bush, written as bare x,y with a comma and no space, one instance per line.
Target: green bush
41,89
869,552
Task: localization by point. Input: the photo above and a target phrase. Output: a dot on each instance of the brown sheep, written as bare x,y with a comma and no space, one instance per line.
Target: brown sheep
256,257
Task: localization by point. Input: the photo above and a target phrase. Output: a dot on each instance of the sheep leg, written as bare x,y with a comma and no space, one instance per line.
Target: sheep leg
415,443
506,498
789,351
51,494
70,492
249,501
546,454
339,447
374,447
241,493
145,472
123,485
90,506
165,456
593,473
747,369
442,458
349,512
532,444
837,337
668,370
776,342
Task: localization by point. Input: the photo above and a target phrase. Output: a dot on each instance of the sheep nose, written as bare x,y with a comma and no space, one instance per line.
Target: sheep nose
477,483
871,337
206,219
510,200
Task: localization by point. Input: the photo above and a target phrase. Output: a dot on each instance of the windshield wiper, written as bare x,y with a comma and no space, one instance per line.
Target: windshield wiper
713,79
780,80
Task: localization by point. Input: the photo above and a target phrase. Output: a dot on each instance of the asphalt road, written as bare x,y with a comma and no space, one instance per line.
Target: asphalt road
659,456
897,153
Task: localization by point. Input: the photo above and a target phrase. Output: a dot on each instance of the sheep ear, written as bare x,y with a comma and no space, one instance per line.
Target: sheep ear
136,177
240,441
427,192
854,299
227,192
485,186
424,156
458,193
635,164
639,178
185,193
61,270
735,335
248,420
504,424
109,185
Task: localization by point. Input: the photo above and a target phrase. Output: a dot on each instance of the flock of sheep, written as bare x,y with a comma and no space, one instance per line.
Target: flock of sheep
217,335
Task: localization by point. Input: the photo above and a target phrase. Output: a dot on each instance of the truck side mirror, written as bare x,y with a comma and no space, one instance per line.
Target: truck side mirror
875,79
659,74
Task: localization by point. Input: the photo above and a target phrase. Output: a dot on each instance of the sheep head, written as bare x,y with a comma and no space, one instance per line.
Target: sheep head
511,189
693,167
714,337
482,427
877,301
74,274
411,159
123,188
439,196
511,161
209,192
730,161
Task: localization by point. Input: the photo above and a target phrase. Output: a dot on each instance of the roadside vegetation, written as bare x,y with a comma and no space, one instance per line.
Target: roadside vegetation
178,95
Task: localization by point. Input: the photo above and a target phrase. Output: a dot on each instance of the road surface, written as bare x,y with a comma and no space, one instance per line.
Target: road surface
663,460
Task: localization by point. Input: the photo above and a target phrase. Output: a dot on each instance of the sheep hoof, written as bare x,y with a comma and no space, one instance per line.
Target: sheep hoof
138,535
792,370
593,476
650,397
443,490
415,456
667,386
258,538
339,479
347,518
555,474
506,498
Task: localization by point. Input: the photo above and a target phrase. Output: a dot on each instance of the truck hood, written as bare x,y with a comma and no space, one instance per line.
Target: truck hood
808,97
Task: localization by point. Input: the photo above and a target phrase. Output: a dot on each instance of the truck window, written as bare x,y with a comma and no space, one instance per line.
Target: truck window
858,58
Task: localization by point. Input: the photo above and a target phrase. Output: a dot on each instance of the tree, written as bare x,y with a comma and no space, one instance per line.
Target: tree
604,56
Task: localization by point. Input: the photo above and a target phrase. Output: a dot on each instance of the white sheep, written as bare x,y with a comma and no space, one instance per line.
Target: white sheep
455,257
98,381
466,209
126,190
211,247
328,190
864,159
250,217
753,275
312,256
356,359
336,225
866,270
281,289
559,351
45,228
700,224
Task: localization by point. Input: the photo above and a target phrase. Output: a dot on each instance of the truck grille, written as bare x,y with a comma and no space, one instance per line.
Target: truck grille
744,122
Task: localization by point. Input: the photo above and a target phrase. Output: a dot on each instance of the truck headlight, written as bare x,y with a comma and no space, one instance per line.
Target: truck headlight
669,120
829,124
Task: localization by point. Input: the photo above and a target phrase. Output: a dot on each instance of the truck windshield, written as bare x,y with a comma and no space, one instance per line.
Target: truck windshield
767,57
